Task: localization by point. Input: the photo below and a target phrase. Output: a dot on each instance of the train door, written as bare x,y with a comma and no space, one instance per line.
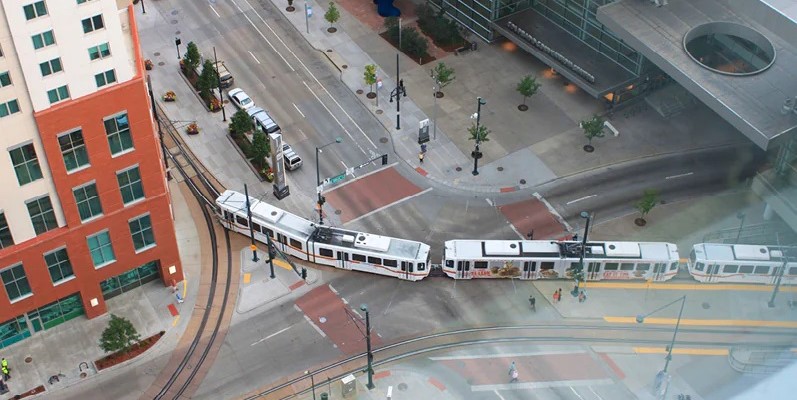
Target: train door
343,260
283,241
774,272
658,271
406,269
463,269
711,272
593,271
528,269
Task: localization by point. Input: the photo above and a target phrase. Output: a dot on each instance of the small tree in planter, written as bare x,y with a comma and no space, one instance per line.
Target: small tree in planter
260,148
290,7
119,335
369,76
332,15
206,82
649,199
592,128
240,123
443,75
191,59
527,87
479,134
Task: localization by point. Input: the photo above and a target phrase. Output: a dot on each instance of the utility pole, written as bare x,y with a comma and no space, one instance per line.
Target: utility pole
160,131
476,153
580,271
218,80
397,93
251,232
369,354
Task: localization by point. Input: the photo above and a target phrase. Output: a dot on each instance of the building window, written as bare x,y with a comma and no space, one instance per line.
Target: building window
101,249
43,39
42,214
26,164
99,51
118,132
141,232
6,239
11,107
129,280
83,1
88,201
51,67
5,79
105,78
73,149
35,10
57,312
58,94
59,266
15,281
92,24
130,185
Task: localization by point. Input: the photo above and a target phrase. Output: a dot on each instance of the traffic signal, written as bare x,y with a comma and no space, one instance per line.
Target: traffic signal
272,252
322,200
304,274
384,159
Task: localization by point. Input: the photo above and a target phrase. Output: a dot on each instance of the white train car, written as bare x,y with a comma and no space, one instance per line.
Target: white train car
743,263
543,259
339,248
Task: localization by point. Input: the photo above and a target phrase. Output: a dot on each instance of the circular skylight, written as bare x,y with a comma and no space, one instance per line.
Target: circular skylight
729,48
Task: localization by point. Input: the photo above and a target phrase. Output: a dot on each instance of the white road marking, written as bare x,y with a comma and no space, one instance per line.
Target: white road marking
347,167
333,289
263,36
499,395
582,198
344,300
506,355
270,336
214,10
357,312
490,202
253,56
679,176
310,321
593,392
334,117
576,393
311,74
297,109
389,205
540,385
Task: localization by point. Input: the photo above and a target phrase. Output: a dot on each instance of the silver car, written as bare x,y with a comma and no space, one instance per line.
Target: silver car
240,99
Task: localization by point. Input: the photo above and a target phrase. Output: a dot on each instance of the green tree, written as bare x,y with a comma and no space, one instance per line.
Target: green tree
241,123
207,80
650,197
192,57
527,87
332,15
260,147
392,28
119,335
413,44
593,128
370,76
481,133
443,75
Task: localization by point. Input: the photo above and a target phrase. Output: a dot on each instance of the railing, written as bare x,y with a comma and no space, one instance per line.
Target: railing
765,234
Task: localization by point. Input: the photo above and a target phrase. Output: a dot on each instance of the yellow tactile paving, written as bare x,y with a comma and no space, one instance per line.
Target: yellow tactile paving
682,350
705,322
282,264
686,286
247,277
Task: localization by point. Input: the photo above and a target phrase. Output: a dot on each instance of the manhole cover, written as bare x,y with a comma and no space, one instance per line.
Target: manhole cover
161,63
706,306
500,169
383,140
28,359
337,212
329,50
522,181
359,91
379,112
174,12
344,66
83,375
322,320
157,53
402,386
458,169
174,22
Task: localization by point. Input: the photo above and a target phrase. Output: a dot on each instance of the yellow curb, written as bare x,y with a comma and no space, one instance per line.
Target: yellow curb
704,322
282,264
681,350
247,277
176,318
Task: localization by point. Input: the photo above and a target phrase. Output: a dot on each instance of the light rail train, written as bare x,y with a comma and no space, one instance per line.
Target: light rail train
519,259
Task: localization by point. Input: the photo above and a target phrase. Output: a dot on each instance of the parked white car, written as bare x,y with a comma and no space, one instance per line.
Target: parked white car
240,99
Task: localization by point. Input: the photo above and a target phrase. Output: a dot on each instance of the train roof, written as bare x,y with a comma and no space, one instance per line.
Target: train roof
744,252
264,212
559,249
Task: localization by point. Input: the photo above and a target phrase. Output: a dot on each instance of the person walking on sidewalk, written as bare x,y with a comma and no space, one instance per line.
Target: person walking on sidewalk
512,368
514,376
559,297
5,369
533,302
3,386
420,157
555,296
582,297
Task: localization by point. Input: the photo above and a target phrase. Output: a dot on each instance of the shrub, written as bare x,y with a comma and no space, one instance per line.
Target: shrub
240,123
413,43
443,31
260,147
192,57
119,335
207,80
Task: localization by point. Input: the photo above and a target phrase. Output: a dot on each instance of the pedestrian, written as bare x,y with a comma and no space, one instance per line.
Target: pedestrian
420,157
559,297
511,368
555,296
423,148
3,387
582,297
533,302
514,376
5,369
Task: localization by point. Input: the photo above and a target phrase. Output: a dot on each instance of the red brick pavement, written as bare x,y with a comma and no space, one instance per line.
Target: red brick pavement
535,368
530,215
370,193
338,325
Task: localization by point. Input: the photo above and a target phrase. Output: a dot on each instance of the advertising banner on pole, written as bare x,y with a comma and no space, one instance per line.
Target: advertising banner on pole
423,131
280,185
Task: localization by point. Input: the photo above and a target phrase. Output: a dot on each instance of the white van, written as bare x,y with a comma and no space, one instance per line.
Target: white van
292,160
263,120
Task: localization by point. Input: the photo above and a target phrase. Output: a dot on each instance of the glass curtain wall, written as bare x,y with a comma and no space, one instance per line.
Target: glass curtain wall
57,312
13,331
475,15
129,280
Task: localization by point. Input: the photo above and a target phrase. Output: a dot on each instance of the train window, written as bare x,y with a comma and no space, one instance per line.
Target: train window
643,267
610,267
357,257
546,265
255,227
390,263
699,266
421,266
241,220
674,266
480,264
573,265
761,269
296,243
449,263
375,260
730,269
326,252
793,271
745,269
626,267
529,266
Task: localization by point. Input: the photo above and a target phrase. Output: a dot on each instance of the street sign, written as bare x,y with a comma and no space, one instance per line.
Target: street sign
350,171
309,10
423,131
336,179
319,188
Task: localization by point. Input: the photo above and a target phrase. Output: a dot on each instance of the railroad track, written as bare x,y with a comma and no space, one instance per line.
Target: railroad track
543,334
186,370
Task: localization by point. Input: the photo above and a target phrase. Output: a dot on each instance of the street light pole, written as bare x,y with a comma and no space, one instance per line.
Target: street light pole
369,355
641,318
143,10
580,271
476,153
397,93
251,232
270,257
320,202
218,80
312,382
434,110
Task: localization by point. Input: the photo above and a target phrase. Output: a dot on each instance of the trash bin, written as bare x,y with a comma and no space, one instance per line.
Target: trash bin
324,396
349,386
